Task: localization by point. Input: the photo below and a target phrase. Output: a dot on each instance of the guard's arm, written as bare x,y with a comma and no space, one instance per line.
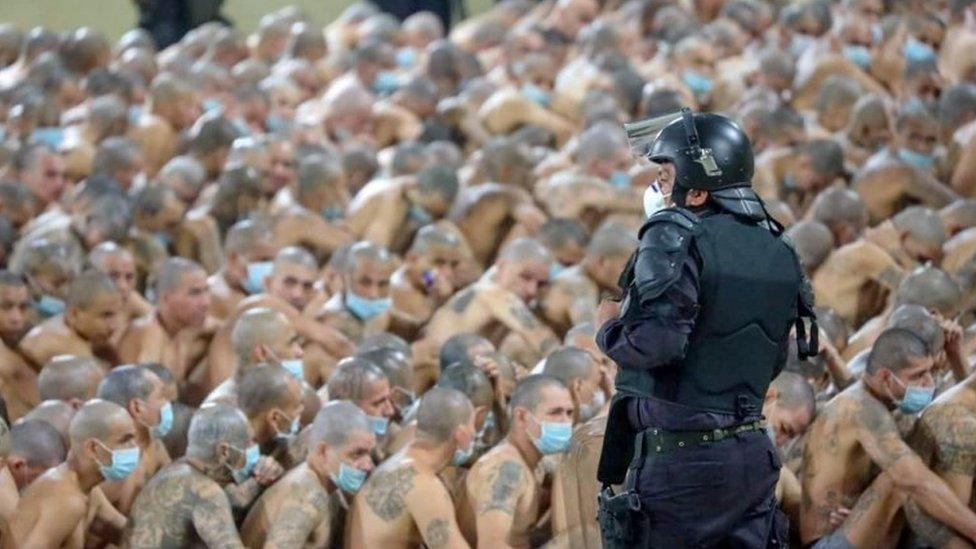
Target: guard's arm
661,299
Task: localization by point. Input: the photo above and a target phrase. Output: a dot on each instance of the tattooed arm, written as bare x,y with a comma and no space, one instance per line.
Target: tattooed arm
496,503
433,513
299,516
879,436
516,316
212,517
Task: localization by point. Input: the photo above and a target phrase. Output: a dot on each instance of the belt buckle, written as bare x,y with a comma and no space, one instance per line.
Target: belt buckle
718,434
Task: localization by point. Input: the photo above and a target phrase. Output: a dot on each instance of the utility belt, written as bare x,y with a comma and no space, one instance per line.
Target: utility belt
623,525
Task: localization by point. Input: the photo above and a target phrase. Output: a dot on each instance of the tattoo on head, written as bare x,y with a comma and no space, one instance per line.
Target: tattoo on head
386,492
504,483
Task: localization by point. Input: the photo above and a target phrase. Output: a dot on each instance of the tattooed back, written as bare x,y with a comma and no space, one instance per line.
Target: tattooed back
500,486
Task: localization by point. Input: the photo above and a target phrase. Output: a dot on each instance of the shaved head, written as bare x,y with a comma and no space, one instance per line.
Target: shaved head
336,421
958,216
470,381
352,379
265,387
67,377
213,424
836,207
38,443
922,224
441,411
257,327
611,240
295,255
931,288
434,235
104,251
794,393
96,419
88,287
895,349
812,241
918,320
525,249
569,364
528,392
171,273
365,251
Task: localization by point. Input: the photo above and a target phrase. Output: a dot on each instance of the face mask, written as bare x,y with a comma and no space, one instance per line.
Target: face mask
654,199
50,306
916,397
386,82
124,462
332,213
859,55
554,438
698,83
211,105
50,136
620,179
256,273
461,456
487,427
251,456
275,123
556,269
349,479
801,43
365,309
588,411
536,95
380,424
406,57
295,367
165,421
294,426
419,215
135,113
917,51
921,161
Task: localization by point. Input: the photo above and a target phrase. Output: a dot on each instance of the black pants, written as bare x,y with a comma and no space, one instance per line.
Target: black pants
166,20
718,494
405,8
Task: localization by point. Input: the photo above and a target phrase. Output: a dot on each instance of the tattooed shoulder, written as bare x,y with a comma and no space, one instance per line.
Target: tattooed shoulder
503,483
953,434
387,490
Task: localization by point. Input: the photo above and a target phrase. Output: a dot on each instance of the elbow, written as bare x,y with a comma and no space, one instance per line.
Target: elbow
909,482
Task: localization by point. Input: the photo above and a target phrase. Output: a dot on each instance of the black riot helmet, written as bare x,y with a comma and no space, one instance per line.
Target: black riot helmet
709,152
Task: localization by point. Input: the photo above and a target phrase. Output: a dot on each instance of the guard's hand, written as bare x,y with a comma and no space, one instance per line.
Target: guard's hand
608,309
267,471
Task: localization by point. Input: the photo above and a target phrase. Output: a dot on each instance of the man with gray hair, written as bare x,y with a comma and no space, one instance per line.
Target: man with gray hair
72,379
302,509
118,158
363,307
580,373
174,335
365,385
185,503
52,511
404,498
272,400
248,253
35,447
120,265
185,176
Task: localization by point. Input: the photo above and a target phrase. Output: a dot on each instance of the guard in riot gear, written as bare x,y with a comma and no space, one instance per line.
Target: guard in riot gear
709,300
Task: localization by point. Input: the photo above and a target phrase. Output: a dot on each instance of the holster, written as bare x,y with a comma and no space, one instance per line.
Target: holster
623,525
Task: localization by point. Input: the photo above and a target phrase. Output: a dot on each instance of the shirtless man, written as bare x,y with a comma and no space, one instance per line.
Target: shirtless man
498,303
140,392
300,510
856,430
387,212
72,379
48,268
501,503
271,398
173,334
53,510
364,384
172,107
580,374
248,253
428,275
363,307
573,294
260,335
93,314
319,204
18,381
404,502
34,447
489,213
797,176
118,264
185,503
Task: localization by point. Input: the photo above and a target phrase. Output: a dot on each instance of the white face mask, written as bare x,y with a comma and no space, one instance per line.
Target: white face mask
588,411
654,199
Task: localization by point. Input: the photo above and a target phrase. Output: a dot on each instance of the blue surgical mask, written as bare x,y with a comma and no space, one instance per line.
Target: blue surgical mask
294,425
698,83
410,410
275,123
124,462
419,215
556,269
51,136
50,306
211,105
256,273
918,51
251,457
366,309
349,479
332,213
165,421
406,57
380,424
135,113
916,398
859,55
921,161
386,82
461,456
537,95
295,367
620,179
554,438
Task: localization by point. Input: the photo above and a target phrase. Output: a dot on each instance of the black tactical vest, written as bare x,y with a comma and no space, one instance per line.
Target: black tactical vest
749,280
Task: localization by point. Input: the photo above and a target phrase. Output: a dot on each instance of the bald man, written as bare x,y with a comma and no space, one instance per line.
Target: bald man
320,201
9,495
93,315
18,381
34,447
174,334
140,392
404,503
72,379
260,335
303,508
364,384
272,400
248,249
171,108
501,503
573,294
428,276
499,302
52,511
185,503
813,242
57,413
118,264
580,374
